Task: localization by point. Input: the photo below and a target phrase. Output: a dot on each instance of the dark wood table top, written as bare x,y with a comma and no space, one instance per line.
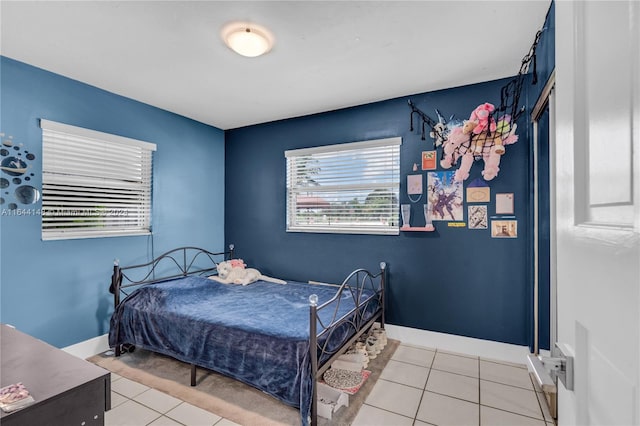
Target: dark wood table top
45,370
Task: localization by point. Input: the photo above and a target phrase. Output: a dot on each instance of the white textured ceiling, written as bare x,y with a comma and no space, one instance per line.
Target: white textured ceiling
328,55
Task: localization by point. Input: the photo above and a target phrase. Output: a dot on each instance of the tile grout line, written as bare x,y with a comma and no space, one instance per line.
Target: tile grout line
517,414
403,384
513,412
458,374
429,367
454,397
409,363
388,411
412,363
154,420
152,409
424,389
505,363
143,406
507,384
459,399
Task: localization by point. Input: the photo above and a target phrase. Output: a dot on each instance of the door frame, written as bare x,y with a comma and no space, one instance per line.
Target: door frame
546,99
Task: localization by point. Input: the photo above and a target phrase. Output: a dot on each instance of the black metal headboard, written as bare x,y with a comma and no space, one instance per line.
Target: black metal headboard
181,262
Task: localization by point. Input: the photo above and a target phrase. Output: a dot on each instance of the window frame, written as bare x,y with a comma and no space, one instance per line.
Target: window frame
363,147
92,195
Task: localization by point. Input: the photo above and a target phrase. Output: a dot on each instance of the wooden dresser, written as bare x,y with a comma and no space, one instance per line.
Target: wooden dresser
67,390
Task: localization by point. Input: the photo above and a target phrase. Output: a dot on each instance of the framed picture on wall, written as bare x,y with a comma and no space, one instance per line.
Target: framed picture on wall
504,229
414,184
504,203
478,194
478,191
477,217
444,197
429,160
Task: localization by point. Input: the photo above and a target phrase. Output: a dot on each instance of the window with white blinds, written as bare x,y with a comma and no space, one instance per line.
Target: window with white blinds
94,184
346,188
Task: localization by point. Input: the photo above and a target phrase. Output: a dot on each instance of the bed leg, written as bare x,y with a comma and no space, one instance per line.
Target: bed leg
118,350
314,407
313,352
383,284
193,374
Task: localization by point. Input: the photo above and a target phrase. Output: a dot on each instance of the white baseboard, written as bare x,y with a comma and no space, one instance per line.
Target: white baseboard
89,348
410,336
463,345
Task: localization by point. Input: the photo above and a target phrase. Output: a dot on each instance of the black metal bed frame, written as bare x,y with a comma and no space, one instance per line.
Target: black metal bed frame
176,258
358,285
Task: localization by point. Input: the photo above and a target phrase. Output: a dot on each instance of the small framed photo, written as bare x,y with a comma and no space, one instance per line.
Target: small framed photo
414,184
429,160
504,203
478,194
504,229
477,217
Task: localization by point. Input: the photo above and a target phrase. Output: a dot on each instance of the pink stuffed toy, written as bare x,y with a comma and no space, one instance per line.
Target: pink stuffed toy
482,115
455,139
237,263
491,163
465,165
482,137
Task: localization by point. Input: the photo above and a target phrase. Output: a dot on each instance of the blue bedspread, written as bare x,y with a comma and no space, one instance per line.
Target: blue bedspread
258,334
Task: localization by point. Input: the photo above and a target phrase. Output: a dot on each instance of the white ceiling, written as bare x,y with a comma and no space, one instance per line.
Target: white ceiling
328,55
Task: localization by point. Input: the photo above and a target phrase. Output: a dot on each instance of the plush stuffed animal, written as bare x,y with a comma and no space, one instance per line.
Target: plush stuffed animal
482,117
492,160
235,272
478,143
491,163
450,148
465,165
237,263
464,143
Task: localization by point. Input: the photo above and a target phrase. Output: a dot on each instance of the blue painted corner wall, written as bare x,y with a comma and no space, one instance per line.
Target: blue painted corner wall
212,188
454,280
58,290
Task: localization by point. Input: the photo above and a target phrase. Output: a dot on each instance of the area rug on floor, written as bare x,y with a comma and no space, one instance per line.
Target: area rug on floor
227,397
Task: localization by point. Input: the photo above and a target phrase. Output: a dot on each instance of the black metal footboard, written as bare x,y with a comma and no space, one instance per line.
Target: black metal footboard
359,284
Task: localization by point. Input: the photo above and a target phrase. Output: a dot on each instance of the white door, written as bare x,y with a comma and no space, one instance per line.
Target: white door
597,207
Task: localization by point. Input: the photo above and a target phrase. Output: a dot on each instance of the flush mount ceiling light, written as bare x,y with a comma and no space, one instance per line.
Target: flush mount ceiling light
246,39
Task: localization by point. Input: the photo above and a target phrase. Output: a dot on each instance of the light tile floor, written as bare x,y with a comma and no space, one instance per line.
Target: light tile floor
419,386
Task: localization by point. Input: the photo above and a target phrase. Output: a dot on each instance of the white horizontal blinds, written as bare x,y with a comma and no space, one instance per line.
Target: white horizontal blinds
346,188
94,184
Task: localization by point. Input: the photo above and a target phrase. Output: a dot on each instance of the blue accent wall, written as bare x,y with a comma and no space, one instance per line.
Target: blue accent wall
546,52
454,280
58,290
212,186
